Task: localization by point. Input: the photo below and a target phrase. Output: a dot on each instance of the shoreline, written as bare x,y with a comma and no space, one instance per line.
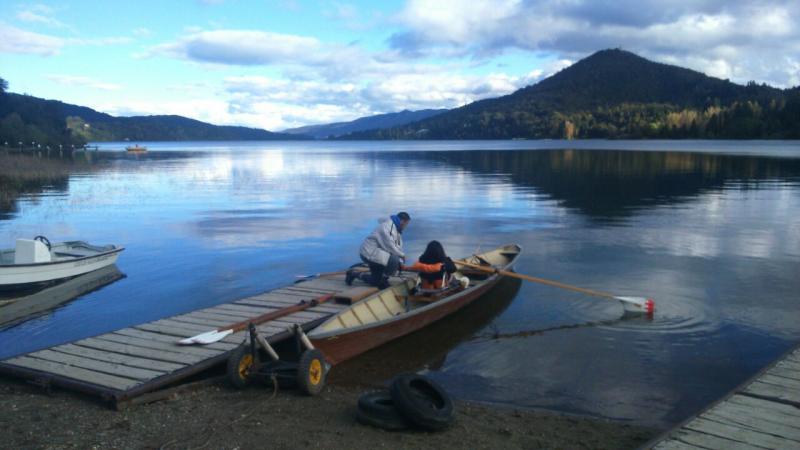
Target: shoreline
217,416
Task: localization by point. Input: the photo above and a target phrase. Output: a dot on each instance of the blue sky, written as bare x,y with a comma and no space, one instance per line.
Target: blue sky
286,63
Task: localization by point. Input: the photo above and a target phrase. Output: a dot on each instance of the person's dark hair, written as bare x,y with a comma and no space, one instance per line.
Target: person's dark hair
434,253
403,216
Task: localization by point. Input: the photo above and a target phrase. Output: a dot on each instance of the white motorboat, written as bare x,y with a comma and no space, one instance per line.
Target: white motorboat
35,261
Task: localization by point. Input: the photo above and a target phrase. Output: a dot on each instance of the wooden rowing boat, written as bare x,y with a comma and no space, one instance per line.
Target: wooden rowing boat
400,310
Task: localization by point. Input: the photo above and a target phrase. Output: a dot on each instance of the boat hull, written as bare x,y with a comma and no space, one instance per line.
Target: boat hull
345,345
19,276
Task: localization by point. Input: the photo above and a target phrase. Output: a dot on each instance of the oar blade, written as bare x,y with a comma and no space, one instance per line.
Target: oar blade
209,337
637,305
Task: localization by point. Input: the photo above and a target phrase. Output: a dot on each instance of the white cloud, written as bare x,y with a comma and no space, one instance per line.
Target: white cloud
244,47
739,40
15,40
81,81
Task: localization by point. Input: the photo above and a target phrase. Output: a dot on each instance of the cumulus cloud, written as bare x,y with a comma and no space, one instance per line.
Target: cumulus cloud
737,40
244,47
15,40
290,103
80,81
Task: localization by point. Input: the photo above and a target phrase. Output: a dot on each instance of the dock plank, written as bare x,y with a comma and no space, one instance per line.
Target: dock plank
710,441
746,420
74,373
784,382
735,433
773,391
97,366
133,332
758,404
133,350
118,359
676,445
164,346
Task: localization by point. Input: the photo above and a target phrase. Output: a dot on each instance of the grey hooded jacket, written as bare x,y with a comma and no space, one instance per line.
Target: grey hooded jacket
384,241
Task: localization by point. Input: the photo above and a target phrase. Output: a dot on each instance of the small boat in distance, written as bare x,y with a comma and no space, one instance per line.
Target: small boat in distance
400,309
36,261
136,148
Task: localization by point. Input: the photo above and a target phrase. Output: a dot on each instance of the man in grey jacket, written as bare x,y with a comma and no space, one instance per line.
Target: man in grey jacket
382,250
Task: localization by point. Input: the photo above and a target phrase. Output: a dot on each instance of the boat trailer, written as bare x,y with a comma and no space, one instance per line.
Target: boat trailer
257,360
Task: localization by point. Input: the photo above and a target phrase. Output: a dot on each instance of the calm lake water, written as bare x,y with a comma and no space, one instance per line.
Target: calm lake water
710,230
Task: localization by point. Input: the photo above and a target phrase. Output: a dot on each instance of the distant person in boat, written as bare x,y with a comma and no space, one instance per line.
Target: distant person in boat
382,251
434,267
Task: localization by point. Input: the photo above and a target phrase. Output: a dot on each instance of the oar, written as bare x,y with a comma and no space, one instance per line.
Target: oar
209,337
631,304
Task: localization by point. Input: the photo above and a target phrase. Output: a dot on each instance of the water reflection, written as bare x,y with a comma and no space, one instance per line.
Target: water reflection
714,238
429,347
15,309
613,184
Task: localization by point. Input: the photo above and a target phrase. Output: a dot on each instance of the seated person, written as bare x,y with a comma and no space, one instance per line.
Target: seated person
434,266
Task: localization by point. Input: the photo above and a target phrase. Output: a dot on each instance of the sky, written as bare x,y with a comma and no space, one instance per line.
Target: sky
288,63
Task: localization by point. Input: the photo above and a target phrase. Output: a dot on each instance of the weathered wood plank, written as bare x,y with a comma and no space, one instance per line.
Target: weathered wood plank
209,324
133,350
671,444
254,310
709,441
163,346
134,373
788,365
182,327
151,335
321,283
771,390
325,307
754,422
75,373
793,375
314,292
118,359
761,404
780,381
233,316
736,433
179,332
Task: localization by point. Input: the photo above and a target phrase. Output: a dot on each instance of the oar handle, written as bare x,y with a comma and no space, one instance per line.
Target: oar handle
536,280
272,315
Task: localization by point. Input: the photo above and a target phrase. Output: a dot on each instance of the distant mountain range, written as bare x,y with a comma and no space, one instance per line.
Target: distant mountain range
380,121
611,94
26,119
617,94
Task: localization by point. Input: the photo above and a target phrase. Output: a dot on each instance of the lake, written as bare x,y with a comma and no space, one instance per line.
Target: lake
710,230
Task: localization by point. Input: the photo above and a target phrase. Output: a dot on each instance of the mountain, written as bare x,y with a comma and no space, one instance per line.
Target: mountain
617,94
376,122
26,119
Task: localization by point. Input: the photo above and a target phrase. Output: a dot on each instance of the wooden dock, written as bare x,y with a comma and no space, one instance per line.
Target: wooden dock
762,413
127,363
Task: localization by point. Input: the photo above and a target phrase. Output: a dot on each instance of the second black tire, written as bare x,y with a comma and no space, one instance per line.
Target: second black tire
422,401
377,409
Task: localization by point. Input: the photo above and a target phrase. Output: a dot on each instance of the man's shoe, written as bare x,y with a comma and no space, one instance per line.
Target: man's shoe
349,277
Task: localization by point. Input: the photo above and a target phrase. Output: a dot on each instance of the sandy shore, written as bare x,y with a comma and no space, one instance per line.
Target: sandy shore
218,417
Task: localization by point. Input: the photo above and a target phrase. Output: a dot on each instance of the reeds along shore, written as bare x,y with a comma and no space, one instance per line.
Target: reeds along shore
23,173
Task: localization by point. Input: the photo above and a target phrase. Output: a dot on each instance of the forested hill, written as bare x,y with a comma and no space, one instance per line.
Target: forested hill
379,121
49,122
617,94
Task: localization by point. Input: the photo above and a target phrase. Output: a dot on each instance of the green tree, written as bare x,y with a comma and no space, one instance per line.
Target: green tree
3,86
